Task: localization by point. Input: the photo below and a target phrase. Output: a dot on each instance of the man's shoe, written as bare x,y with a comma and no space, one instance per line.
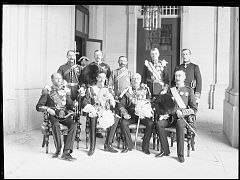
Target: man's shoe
146,152
67,157
125,150
161,154
90,152
109,149
55,155
181,159
99,135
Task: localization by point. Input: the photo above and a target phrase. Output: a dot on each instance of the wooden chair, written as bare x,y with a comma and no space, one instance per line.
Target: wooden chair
134,128
189,136
47,130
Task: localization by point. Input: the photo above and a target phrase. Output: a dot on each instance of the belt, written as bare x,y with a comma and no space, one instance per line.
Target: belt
72,84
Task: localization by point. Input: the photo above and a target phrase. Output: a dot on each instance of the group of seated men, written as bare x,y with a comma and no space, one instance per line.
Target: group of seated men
119,96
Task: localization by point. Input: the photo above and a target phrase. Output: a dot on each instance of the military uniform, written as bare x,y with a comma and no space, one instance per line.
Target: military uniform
187,95
127,105
193,77
152,83
105,68
59,100
100,98
71,74
120,79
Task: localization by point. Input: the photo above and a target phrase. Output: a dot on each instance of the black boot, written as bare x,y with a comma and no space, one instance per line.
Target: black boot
92,137
56,154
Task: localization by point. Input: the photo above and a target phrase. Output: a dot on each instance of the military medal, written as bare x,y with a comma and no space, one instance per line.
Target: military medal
61,114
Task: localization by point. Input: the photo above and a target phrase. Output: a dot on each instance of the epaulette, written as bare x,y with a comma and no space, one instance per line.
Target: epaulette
46,89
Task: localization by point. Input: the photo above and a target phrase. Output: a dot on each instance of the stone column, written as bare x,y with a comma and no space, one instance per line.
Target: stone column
231,101
132,38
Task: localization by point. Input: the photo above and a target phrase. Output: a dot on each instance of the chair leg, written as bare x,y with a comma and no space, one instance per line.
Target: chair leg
135,146
43,142
193,142
154,139
188,147
46,142
172,138
87,131
158,143
78,134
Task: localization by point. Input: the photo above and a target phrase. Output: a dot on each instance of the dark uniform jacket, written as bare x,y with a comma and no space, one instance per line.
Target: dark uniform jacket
105,68
193,77
55,98
70,74
187,95
127,102
146,77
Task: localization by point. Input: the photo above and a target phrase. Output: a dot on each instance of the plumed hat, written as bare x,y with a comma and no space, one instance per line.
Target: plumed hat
89,74
164,104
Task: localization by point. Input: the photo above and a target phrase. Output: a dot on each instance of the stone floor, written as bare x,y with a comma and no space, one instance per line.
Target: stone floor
213,158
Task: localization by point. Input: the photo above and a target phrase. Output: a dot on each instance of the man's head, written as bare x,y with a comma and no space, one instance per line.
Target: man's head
122,61
154,53
83,61
101,78
71,56
56,79
98,56
186,54
136,80
180,77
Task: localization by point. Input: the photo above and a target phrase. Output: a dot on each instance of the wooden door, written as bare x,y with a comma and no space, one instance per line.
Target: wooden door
167,40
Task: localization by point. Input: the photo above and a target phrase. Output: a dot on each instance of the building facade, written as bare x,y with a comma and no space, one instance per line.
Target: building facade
37,37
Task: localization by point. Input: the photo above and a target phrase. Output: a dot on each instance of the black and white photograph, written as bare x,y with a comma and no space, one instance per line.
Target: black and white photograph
124,91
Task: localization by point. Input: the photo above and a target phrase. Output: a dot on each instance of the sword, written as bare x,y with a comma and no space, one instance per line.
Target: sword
216,160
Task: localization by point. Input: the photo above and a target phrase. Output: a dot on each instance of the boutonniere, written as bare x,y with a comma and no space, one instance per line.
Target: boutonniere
163,64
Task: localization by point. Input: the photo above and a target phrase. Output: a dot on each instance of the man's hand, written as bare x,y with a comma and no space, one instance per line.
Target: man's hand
163,92
126,116
179,113
75,103
197,99
81,91
51,111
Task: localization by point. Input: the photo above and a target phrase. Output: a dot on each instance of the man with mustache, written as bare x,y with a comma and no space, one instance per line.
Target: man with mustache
119,80
70,72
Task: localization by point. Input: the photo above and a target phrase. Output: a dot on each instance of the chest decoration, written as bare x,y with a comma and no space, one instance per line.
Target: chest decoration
59,97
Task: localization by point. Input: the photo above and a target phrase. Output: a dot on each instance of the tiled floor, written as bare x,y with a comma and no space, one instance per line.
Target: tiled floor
214,157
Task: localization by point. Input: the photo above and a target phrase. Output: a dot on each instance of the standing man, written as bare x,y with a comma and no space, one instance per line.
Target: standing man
120,77
186,106
155,74
193,75
70,72
57,102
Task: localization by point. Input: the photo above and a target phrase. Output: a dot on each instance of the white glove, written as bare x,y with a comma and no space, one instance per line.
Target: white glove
82,91
75,103
51,111
197,100
126,116
163,92
179,113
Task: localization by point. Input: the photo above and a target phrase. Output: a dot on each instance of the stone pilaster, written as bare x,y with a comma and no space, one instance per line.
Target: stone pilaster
231,101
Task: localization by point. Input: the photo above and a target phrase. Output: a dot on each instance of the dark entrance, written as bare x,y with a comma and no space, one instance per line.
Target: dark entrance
167,40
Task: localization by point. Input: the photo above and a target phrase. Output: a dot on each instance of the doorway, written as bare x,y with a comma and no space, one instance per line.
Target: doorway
167,40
